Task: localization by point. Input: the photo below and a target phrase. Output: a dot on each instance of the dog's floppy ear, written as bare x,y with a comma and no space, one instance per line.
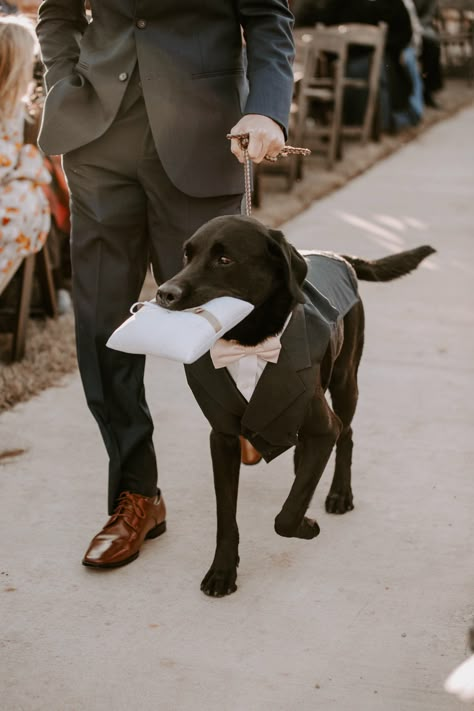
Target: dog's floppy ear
295,264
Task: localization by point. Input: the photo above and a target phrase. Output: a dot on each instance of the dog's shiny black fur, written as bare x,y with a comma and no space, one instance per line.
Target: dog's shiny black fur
238,256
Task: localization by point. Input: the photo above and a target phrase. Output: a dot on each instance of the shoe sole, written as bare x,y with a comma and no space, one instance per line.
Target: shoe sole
153,533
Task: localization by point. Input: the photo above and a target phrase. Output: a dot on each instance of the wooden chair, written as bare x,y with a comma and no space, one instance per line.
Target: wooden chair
325,79
14,318
455,24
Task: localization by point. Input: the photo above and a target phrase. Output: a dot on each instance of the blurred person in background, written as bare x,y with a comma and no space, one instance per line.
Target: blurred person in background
399,92
412,113
430,51
25,7
56,189
24,209
7,8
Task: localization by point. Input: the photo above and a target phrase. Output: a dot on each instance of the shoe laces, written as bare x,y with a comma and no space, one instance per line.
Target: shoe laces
128,506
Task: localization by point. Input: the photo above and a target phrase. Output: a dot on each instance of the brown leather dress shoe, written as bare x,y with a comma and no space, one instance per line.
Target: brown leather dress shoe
135,519
248,454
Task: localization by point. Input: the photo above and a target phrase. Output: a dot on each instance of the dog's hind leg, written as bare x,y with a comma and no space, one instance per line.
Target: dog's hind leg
340,499
221,576
344,394
316,440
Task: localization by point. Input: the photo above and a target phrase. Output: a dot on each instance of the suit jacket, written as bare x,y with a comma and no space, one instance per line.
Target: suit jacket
193,72
274,415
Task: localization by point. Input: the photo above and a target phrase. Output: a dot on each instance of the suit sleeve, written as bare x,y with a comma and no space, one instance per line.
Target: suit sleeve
61,25
267,26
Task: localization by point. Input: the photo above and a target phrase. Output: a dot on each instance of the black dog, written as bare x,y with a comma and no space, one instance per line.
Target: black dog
321,349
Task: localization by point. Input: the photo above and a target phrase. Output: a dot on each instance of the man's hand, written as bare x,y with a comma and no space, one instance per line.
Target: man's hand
266,137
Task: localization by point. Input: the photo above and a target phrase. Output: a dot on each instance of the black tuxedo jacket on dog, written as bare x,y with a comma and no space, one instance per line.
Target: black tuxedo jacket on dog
273,416
192,69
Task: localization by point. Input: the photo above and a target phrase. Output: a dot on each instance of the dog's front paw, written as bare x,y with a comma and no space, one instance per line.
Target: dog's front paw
219,581
307,529
339,502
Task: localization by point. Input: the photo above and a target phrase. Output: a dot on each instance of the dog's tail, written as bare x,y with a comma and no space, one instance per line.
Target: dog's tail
392,267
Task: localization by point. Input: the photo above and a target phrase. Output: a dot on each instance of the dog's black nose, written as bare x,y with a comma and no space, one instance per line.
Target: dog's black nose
169,294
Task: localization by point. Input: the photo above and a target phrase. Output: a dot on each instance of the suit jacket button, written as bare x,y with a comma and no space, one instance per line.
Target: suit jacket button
141,24
123,76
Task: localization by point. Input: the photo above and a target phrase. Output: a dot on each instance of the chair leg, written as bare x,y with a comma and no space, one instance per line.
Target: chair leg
335,137
339,147
45,277
19,334
471,62
295,171
293,174
299,168
257,186
296,165
376,129
299,137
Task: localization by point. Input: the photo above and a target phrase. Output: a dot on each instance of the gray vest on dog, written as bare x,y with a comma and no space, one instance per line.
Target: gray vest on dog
273,416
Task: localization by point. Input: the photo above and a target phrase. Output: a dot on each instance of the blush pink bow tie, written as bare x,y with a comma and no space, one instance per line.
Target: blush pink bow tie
223,352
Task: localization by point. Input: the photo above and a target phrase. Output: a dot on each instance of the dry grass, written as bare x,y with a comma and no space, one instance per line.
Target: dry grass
50,351
50,354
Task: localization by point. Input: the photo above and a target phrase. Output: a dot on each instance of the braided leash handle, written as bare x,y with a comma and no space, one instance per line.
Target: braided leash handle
243,139
285,151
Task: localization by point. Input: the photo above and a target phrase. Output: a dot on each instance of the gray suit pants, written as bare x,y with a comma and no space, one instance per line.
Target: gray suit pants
125,214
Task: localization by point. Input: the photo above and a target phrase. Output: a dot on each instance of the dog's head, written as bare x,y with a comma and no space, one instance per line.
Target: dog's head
234,256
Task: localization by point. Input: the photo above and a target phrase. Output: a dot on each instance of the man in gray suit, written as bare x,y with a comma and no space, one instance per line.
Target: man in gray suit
141,95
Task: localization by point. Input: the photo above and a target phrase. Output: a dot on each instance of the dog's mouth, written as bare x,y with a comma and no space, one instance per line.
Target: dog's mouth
176,297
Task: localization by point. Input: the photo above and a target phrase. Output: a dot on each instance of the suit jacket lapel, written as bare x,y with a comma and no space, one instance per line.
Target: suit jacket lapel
219,384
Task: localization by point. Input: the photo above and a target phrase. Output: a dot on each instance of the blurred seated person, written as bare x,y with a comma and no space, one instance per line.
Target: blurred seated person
57,192
430,50
397,85
412,113
34,199
24,209
7,8
23,7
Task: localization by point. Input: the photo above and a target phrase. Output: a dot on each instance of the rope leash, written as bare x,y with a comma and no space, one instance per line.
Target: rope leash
243,139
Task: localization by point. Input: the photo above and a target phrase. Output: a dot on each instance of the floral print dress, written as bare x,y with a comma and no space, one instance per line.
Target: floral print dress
24,209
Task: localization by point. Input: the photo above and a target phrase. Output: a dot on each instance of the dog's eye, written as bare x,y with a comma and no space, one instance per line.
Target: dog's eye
224,260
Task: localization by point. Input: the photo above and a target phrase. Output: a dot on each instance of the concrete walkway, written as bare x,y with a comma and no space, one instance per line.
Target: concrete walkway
370,616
